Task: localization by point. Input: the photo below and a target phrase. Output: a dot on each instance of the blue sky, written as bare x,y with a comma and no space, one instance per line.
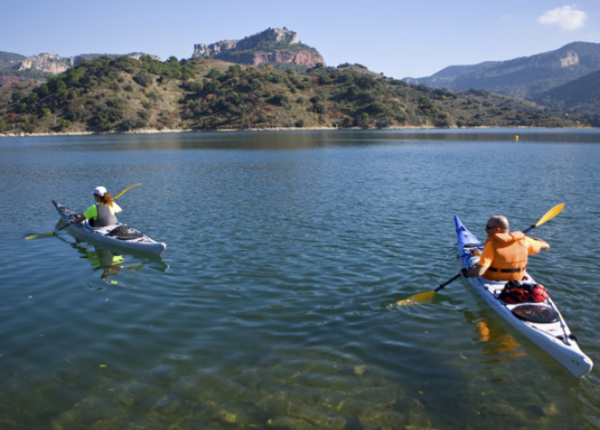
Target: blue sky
396,38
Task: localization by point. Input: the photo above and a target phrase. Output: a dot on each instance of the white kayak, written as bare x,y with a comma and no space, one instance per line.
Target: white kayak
541,322
119,235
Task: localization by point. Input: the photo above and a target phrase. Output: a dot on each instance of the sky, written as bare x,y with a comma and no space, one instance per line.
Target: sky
397,38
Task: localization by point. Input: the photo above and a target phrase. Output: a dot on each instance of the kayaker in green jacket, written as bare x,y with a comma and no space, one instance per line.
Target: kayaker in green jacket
103,212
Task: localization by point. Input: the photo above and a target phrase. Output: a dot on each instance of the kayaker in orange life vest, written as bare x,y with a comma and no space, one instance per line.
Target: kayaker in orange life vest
504,256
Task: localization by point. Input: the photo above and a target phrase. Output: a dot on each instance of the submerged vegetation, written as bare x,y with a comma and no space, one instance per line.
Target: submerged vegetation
123,94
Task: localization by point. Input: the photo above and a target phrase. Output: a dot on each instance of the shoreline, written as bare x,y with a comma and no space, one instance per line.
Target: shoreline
168,131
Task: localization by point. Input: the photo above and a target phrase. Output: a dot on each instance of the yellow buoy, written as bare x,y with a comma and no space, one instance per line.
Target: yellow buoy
517,138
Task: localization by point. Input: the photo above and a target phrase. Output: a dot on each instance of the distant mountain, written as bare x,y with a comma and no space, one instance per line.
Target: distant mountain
524,77
582,94
8,60
272,46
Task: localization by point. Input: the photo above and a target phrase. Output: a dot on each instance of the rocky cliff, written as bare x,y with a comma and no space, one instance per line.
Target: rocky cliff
47,63
54,64
262,48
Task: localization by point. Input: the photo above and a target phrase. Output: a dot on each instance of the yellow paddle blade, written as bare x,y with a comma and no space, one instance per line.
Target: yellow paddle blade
550,214
417,298
36,236
125,190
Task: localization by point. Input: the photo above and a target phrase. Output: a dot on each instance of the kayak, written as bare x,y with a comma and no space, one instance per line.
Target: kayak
540,322
120,235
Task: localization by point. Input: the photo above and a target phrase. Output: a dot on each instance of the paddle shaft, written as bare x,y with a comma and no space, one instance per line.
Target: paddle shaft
448,282
62,228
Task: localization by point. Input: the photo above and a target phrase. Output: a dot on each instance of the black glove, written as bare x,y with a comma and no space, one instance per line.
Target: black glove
464,271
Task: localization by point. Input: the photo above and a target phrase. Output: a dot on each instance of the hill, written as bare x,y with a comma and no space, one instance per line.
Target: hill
582,94
524,77
9,60
123,94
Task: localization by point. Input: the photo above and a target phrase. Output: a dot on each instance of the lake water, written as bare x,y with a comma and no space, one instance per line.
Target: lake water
269,308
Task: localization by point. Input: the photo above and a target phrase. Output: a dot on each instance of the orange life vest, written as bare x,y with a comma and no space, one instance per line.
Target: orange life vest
510,257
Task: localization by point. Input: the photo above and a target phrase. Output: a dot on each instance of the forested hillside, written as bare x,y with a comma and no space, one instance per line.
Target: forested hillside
124,94
582,94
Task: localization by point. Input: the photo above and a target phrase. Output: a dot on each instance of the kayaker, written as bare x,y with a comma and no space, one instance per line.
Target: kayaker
504,256
103,212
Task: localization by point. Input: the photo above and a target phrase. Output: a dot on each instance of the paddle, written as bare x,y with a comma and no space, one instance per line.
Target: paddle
126,189
37,236
547,217
428,295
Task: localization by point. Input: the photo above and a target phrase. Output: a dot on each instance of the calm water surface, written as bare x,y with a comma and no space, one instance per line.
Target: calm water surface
269,308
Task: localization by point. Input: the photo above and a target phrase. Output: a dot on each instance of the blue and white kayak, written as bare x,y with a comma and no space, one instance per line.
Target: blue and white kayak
541,322
119,235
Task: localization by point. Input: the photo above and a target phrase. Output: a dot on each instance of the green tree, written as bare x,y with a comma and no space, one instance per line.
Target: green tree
187,73
18,96
144,78
171,68
214,73
234,70
42,90
424,102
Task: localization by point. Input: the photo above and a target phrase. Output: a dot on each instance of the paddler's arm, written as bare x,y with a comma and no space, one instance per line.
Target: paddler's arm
543,244
474,271
91,212
485,259
80,218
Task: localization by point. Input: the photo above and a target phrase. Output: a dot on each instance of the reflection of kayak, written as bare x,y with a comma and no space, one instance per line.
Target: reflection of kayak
541,322
119,234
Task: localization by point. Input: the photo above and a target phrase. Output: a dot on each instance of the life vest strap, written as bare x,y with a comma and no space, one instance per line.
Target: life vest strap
493,269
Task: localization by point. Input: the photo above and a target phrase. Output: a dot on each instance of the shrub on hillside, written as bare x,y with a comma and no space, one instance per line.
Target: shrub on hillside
144,79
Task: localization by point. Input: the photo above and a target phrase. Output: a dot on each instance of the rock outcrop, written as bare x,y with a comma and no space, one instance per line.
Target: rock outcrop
303,58
244,51
47,63
54,64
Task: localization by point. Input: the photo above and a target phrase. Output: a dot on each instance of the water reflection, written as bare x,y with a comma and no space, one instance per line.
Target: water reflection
499,345
111,263
105,260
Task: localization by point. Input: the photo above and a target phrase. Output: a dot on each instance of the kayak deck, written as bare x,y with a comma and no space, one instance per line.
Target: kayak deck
119,235
541,322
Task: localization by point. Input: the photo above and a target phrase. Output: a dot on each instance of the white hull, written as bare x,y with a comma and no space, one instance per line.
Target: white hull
85,231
